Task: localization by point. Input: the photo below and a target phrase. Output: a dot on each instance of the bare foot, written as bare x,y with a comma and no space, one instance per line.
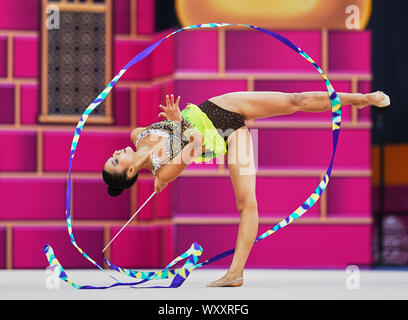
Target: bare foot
227,281
378,99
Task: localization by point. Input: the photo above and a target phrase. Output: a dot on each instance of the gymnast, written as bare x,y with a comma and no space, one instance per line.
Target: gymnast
211,129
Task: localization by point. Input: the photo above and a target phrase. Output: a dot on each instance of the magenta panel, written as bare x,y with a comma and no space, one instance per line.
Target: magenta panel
312,148
364,86
145,16
145,188
121,106
198,91
163,56
2,247
91,201
30,104
32,198
7,103
167,88
20,14
148,101
167,252
280,196
124,51
256,51
21,146
204,195
295,246
94,149
349,197
29,240
3,56
196,51
121,16
350,51
364,114
290,86
137,247
276,197
26,65
163,202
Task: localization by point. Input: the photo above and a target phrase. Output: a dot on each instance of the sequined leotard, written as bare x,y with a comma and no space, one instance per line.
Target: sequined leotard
215,124
176,140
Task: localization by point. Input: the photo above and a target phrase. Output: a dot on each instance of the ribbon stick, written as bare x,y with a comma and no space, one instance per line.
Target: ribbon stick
179,275
107,246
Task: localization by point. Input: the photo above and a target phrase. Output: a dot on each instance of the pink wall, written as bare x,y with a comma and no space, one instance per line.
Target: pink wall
273,55
7,95
197,91
3,56
124,51
163,58
2,245
20,14
299,245
43,199
38,169
196,51
21,143
137,247
214,197
121,103
92,202
30,103
26,65
29,240
353,194
343,54
121,16
94,149
311,148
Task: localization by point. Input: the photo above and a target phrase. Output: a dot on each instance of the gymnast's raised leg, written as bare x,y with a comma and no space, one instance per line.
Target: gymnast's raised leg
264,104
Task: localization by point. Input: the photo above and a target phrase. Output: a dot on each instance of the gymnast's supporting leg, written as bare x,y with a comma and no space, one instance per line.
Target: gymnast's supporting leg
264,104
241,166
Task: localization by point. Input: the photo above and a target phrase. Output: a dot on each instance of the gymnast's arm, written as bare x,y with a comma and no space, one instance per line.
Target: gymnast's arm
169,171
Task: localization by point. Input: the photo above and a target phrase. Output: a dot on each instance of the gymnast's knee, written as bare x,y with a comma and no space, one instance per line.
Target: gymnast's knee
297,100
247,206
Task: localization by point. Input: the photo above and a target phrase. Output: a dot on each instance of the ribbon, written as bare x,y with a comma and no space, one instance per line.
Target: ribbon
179,275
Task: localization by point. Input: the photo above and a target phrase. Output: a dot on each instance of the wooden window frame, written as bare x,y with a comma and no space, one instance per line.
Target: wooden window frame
77,6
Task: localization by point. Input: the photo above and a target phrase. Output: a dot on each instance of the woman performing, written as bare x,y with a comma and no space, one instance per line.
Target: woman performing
211,129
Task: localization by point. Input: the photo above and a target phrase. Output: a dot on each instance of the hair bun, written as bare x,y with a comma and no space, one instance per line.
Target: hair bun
114,191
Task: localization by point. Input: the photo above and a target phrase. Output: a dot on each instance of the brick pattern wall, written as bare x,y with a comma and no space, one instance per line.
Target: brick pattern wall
200,204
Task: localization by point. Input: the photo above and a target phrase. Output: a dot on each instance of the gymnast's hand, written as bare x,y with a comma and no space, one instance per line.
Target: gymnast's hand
171,111
159,185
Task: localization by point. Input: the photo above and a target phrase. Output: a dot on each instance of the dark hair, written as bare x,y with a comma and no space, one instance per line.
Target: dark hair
117,182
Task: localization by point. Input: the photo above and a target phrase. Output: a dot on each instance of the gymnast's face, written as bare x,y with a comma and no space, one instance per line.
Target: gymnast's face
121,160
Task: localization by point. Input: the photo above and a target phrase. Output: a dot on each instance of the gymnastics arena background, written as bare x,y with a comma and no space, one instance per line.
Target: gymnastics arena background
292,151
